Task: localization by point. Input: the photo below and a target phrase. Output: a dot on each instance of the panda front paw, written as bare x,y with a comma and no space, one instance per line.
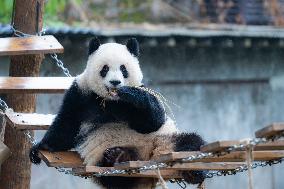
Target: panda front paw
131,95
194,177
117,155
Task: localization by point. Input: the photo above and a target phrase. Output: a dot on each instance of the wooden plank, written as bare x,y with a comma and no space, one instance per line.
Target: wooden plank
166,174
223,145
238,156
29,121
34,84
4,152
205,166
270,131
67,159
184,166
11,46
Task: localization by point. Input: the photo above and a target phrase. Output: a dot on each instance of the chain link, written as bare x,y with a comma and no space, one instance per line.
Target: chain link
3,105
19,33
60,64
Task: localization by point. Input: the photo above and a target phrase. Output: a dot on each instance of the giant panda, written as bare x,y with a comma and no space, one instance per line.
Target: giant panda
107,118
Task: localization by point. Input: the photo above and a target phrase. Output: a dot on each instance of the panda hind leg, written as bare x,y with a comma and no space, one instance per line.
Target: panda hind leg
117,155
190,142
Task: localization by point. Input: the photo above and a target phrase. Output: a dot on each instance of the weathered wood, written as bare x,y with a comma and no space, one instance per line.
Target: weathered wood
166,174
29,45
183,166
4,152
270,131
29,121
26,85
238,156
223,145
61,159
16,171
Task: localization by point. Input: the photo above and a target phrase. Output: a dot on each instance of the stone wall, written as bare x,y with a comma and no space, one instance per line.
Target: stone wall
223,93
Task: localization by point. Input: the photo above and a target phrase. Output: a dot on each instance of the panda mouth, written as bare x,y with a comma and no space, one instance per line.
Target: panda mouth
111,91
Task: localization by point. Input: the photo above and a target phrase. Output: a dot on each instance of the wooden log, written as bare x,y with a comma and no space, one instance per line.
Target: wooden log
270,131
29,121
10,46
16,171
27,85
4,152
238,156
219,146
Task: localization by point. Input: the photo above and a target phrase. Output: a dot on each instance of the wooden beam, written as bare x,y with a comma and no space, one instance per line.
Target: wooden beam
238,156
166,174
219,146
28,85
67,159
11,46
29,121
270,131
183,166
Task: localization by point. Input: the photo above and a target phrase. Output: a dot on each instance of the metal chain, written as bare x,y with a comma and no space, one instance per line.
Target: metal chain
60,64
3,105
19,33
243,168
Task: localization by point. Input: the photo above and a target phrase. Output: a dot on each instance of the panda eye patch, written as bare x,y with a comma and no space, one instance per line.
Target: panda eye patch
124,71
104,71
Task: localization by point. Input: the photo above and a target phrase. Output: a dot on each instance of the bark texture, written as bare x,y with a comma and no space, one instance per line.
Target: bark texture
16,171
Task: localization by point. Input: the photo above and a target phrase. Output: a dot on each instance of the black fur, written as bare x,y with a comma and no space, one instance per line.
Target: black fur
138,108
94,44
117,155
190,142
124,71
133,47
104,71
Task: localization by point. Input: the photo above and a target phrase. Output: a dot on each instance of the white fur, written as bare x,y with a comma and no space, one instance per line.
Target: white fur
114,55
118,134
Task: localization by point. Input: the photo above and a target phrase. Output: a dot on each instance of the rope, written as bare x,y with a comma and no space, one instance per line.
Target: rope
249,160
162,181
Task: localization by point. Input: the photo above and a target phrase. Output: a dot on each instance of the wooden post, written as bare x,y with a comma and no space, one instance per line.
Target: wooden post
15,173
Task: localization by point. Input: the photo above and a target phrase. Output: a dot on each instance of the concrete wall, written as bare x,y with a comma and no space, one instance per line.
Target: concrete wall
223,93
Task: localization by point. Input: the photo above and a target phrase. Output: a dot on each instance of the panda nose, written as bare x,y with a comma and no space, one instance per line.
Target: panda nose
115,82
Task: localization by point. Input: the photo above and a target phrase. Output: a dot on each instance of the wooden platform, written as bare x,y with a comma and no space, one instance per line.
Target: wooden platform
219,146
11,46
34,84
270,131
227,162
29,121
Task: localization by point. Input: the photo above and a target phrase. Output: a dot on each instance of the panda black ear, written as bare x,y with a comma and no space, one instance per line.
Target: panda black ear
94,45
133,46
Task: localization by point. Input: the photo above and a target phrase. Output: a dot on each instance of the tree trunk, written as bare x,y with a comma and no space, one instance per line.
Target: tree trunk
16,171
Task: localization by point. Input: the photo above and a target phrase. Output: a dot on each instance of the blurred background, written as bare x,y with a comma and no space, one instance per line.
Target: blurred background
221,61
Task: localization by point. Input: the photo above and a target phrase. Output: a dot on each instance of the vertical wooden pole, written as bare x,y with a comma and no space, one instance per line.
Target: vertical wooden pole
16,171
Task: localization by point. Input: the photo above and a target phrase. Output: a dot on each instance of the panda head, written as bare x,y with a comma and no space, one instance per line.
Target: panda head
111,66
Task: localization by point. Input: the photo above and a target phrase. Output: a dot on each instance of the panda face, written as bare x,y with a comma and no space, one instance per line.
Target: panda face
109,67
